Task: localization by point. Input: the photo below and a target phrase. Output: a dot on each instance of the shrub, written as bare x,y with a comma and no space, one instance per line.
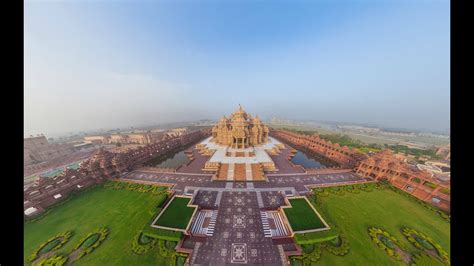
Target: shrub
423,242
139,247
309,258
180,260
143,188
307,248
86,245
90,241
385,241
316,237
52,261
164,251
429,184
338,248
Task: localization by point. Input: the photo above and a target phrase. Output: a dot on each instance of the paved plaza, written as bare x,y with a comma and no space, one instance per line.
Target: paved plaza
238,236
239,221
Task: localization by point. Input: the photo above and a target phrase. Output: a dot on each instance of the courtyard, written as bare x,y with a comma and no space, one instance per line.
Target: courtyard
237,222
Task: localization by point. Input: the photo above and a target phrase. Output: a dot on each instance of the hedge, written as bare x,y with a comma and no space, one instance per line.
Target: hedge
316,237
309,258
65,238
180,260
338,250
411,235
390,249
140,248
138,187
55,260
102,232
165,251
429,184
322,192
163,234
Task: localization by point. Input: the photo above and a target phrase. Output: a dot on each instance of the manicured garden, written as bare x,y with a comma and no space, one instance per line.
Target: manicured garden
301,216
177,214
103,222
372,221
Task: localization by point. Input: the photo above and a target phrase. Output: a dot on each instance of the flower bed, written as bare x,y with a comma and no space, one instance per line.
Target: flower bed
55,260
141,243
51,244
425,243
89,243
386,241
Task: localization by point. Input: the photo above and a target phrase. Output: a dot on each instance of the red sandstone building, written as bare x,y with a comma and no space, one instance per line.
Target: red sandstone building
344,156
101,166
421,184
380,166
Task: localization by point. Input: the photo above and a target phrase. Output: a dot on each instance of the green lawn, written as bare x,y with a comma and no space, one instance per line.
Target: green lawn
354,213
124,212
177,214
301,216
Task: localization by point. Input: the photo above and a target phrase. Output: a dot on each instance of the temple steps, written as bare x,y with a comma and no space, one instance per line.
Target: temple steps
223,171
266,227
239,172
280,227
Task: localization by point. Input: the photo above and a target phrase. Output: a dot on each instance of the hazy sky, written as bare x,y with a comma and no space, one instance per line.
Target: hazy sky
102,64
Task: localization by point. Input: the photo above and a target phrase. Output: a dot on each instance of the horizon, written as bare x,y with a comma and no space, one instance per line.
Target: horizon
117,64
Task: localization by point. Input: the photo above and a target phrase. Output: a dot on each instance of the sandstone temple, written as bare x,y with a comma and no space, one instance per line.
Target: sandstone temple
241,130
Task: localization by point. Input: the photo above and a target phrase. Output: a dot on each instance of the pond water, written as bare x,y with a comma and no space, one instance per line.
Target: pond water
306,161
172,161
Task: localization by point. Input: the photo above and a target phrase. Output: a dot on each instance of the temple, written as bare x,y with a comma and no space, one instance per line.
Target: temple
241,130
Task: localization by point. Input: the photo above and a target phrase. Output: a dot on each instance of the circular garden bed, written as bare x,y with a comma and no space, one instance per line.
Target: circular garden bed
50,245
389,243
425,243
89,243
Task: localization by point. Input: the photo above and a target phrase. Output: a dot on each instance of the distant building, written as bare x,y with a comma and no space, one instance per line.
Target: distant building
38,149
129,138
176,132
445,152
422,182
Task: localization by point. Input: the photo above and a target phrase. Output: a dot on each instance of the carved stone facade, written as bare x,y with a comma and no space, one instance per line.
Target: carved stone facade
241,130
98,168
421,184
129,138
